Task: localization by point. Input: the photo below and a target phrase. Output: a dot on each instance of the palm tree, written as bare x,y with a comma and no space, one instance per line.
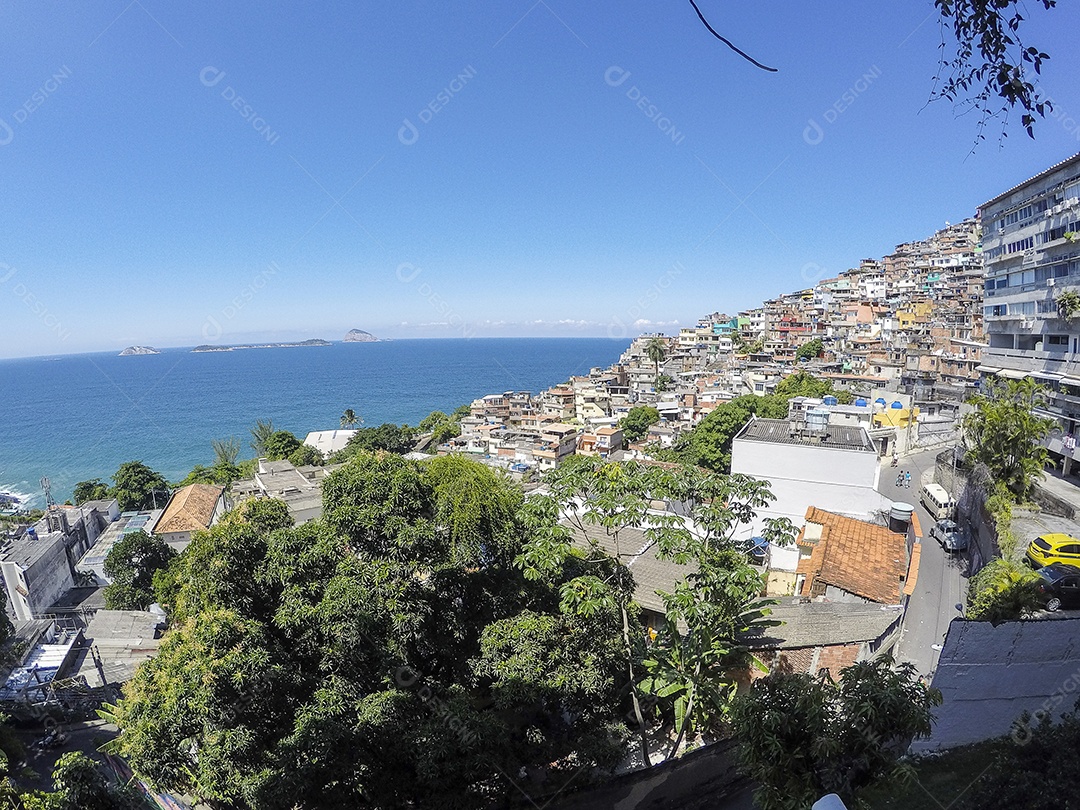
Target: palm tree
656,350
260,435
226,451
350,419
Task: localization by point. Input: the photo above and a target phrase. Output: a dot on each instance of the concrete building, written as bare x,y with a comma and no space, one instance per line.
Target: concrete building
329,442
91,566
38,567
194,508
1032,256
299,487
833,467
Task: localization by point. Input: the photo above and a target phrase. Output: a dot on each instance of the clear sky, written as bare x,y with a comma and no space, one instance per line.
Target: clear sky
175,174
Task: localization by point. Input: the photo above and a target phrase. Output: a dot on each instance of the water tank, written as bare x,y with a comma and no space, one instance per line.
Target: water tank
861,402
817,421
897,405
900,517
31,532
880,401
831,401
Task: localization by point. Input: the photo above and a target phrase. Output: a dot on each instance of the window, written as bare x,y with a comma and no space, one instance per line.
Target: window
1057,340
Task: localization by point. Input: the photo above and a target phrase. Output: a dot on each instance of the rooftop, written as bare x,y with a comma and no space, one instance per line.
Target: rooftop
190,509
778,431
855,556
813,624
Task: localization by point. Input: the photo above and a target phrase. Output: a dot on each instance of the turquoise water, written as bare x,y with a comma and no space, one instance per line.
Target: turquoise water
80,416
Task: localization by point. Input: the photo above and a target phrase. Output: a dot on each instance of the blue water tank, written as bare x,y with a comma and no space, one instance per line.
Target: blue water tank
897,405
831,401
861,402
880,400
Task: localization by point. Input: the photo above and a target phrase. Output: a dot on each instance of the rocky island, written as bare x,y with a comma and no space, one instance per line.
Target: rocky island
312,342
360,336
133,350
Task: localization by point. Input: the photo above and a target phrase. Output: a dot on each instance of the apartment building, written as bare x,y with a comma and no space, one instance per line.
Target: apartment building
1032,255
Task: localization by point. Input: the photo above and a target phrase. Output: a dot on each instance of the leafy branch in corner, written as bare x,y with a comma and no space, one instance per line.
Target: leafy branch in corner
991,62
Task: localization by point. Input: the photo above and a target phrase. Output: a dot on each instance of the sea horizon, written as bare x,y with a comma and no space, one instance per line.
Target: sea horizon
76,417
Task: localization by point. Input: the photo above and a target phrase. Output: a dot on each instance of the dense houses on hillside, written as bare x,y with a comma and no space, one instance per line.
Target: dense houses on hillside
907,328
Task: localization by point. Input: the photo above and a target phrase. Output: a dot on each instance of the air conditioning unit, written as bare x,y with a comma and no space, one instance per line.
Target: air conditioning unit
1050,282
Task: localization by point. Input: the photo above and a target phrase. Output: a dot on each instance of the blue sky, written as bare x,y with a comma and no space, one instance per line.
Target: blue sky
175,175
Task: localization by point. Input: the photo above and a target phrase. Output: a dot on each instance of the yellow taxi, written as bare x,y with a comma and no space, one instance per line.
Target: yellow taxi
1054,548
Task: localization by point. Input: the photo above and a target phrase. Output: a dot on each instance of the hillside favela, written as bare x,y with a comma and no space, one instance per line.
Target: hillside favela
540,407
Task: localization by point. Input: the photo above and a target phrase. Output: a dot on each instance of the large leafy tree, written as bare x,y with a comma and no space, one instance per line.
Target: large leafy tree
1006,434
635,425
139,487
131,565
708,445
387,437
280,445
687,669
802,737
93,490
391,655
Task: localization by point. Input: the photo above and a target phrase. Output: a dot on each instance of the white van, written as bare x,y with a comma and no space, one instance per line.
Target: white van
937,501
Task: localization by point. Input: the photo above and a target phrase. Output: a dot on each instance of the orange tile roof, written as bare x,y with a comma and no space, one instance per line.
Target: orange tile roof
191,508
858,557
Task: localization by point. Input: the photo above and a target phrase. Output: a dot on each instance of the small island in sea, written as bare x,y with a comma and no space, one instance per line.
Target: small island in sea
134,350
312,342
360,336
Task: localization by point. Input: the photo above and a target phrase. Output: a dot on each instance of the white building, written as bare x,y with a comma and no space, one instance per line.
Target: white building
832,467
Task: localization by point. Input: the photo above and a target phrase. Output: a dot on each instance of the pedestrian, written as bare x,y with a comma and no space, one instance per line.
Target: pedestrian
907,480
899,479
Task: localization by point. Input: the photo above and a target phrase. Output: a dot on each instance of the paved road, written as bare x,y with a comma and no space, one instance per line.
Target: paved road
942,580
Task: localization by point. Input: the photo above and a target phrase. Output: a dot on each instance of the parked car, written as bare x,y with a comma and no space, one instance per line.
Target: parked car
1059,586
949,535
1054,548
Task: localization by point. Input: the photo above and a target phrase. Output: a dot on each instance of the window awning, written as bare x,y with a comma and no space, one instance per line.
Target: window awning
1012,374
1071,381
987,369
1047,375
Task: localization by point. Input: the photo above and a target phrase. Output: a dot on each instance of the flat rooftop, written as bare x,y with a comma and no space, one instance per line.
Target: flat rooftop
779,431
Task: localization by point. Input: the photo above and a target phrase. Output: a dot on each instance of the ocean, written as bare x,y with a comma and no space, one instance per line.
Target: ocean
78,417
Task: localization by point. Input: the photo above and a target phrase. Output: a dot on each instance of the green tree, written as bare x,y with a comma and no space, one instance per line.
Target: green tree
802,737
226,451
810,349
801,384
387,437
260,435
991,68
708,445
391,655
665,382
689,666
1031,767
349,419
78,784
656,351
305,455
635,425
92,490
280,445
1005,433
130,566
1004,590
139,487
